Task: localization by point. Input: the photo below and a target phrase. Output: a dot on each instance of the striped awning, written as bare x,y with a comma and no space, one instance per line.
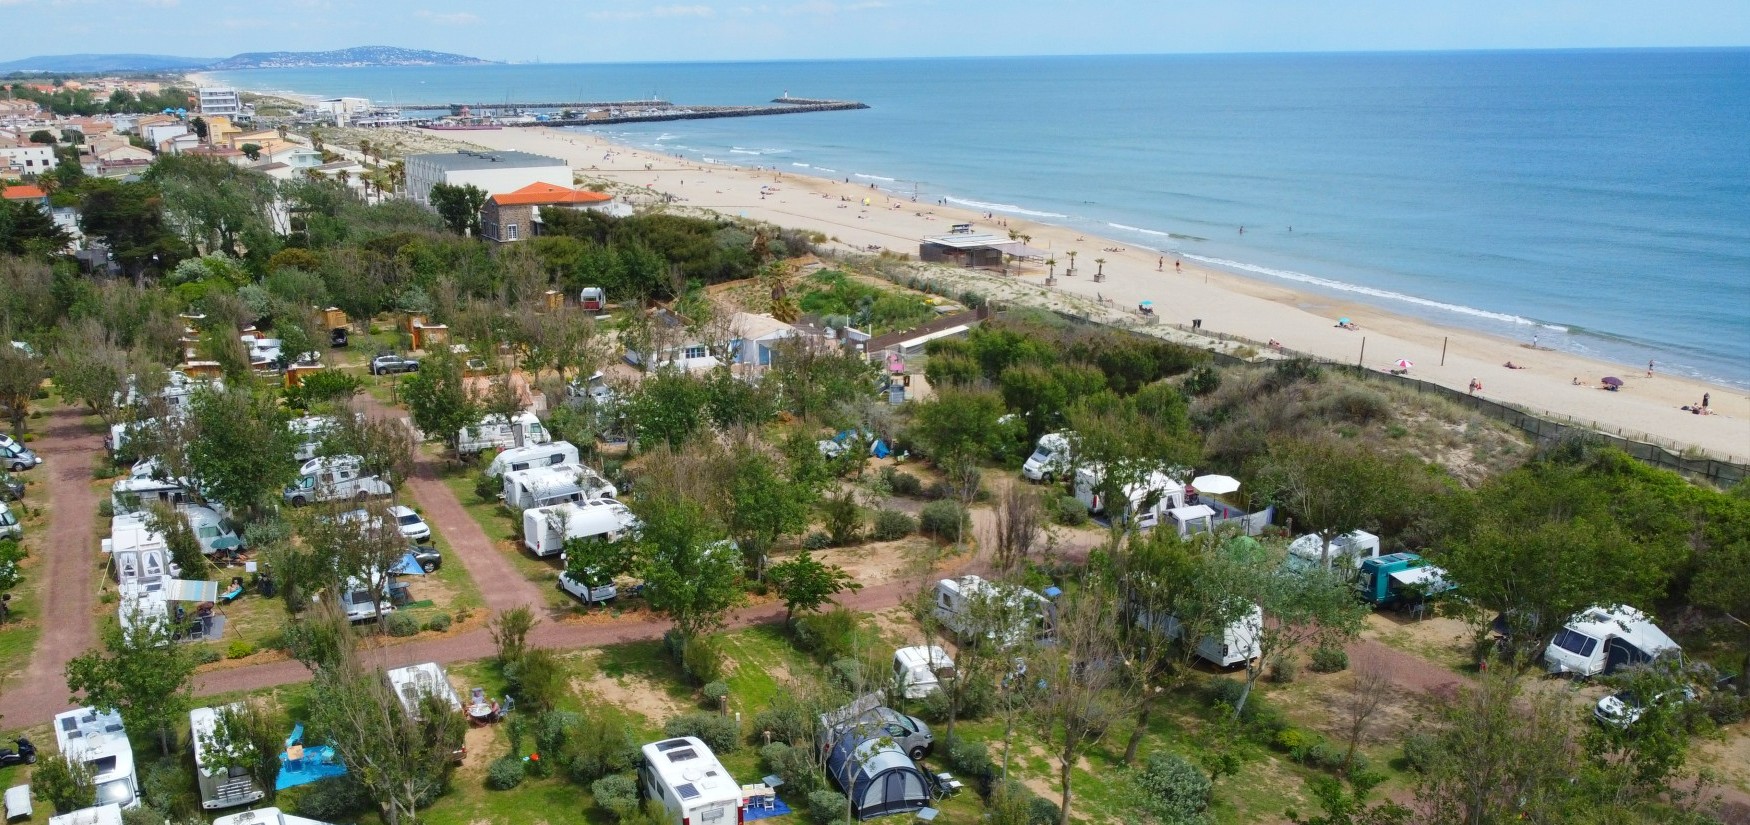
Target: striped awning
182,590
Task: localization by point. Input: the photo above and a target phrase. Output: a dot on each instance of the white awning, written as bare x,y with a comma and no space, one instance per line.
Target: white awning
1429,575
921,340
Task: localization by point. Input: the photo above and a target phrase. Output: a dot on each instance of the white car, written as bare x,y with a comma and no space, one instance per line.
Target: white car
410,523
1624,708
585,593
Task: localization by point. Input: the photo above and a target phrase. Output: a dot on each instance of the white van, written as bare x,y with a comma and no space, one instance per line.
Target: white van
531,456
354,598
334,479
919,671
1005,614
495,433
221,786
558,484
1166,492
1348,551
546,529
100,741
685,778
1051,458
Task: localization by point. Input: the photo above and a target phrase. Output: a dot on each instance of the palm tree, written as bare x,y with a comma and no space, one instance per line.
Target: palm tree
1100,271
1051,275
365,149
1072,263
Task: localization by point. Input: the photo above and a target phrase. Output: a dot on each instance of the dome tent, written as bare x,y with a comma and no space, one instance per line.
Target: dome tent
877,775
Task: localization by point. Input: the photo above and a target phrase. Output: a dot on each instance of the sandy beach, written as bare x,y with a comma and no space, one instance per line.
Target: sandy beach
1226,303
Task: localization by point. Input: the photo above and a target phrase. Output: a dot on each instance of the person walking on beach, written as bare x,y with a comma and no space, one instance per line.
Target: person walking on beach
1161,264
1649,368
1175,266
1475,385
1705,397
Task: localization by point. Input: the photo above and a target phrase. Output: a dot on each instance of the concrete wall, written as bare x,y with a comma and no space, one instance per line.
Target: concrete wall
422,175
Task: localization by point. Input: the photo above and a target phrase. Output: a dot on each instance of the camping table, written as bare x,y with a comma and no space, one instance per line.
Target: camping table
928,814
17,802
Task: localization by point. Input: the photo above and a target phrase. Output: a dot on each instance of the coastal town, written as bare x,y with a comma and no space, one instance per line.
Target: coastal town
460,467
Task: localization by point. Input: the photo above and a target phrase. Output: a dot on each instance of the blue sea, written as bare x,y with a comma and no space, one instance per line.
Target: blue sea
1597,199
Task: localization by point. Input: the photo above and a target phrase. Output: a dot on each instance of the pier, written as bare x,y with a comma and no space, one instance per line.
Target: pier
508,114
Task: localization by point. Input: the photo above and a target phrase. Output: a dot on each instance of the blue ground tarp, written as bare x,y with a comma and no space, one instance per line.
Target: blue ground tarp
778,809
319,762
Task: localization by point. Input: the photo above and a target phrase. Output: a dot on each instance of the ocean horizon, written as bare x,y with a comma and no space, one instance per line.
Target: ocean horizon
1596,199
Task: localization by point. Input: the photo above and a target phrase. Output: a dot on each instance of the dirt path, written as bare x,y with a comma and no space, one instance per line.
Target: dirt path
68,571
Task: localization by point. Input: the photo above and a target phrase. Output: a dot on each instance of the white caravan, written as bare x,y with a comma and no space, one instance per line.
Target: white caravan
221,786
558,484
1005,614
1051,458
135,494
1348,551
685,778
495,433
413,683
1601,639
1232,645
110,814
100,741
137,552
532,455
1157,487
310,430
919,671
546,529
266,816
334,479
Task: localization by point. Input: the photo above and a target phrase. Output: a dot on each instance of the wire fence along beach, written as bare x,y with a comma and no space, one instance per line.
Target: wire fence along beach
1543,426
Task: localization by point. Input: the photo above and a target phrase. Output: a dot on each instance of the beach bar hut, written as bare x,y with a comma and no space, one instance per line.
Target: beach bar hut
877,775
972,250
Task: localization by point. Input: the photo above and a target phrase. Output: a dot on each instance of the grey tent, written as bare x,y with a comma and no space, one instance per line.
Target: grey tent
878,777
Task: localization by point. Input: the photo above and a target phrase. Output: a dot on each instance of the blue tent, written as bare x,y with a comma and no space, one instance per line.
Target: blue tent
409,566
877,447
878,777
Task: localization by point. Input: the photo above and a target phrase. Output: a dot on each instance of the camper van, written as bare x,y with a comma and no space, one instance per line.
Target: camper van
558,484
1601,639
414,682
10,528
919,671
309,431
866,717
1011,613
531,456
1235,644
266,816
546,529
222,786
1348,551
1051,458
101,742
495,433
142,603
1158,490
334,479
685,778
135,494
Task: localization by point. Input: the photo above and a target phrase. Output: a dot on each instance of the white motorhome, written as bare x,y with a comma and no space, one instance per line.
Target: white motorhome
334,479
558,484
137,552
110,814
221,785
1348,551
142,603
919,671
310,430
135,494
495,433
1159,491
1601,639
546,529
1051,458
266,816
1005,614
531,456
101,742
685,778
413,683
1232,645
209,525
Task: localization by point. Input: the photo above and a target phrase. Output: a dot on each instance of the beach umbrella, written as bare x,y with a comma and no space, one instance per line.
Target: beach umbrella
1343,322
1215,485
1612,381
1405,363
1148,303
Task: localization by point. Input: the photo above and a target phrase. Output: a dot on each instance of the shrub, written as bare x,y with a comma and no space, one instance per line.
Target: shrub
848,672
400,624
505,772
793,765
1174,790
945,520
715,693
618,794
1226,691
104,508
1359,405
1202,380
970,759
588,745
537,680
816,541
902,484
892,524
1329,659
1298,743
1420,751
701,659
487,488
206,655
828,635
332,799
718,732
63,783
1324,755
826,806
1070,511
844,518
439,623
939,490
1284,669
786,719
239,649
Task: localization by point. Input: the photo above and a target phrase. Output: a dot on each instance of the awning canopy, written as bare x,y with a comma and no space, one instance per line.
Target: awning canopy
183,590
1420,575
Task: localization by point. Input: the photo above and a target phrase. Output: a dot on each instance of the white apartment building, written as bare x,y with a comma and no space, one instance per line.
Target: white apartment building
494,172
220,101
29,158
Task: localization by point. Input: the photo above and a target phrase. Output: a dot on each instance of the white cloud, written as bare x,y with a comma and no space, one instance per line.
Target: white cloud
654,12
459,18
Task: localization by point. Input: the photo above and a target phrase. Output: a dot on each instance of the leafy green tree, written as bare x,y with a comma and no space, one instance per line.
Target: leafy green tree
596,562
325,387
25,229
1087,689
1639,760
814,378
1333,487
668,408
438,398
91,369
128,219
65,783
763,503
251,150
140,673
1502,754
21,378
242,453
804,583
689,572
11,572
199,126
459,206
220,207
180,540
956,429
1299,609
1129,440
385,446
1342,807
43,136
245,737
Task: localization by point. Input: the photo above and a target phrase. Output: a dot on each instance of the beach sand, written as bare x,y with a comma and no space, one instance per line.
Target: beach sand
1225,302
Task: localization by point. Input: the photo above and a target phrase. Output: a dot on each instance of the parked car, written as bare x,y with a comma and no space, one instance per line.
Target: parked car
585,593
11,489
389,362
428,557
9,526
412,526
17,457
1624,708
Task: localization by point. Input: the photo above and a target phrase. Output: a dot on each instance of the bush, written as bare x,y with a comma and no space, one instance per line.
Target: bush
816,541
846,671
1201,380
1070,512
64,784
206,655
828,635
969,758
104,508
400,624
1227,691
537,680
715,693
487,488
945,520
1330,660
239,649
786,719
1359,405
618,794
701,659
826,806
1174,790
438,623
332,800
892,524
1284,669
505,772
1324,755
588,746
1420,751
902,484
844,518
792,765
718,732
1298,743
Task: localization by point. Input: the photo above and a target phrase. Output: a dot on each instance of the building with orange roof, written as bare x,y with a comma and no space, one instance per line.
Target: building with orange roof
26,192
515,216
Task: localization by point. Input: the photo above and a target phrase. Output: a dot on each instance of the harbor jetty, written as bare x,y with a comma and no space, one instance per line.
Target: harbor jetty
508,114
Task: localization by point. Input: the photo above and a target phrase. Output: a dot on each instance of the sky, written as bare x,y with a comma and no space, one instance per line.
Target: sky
556,31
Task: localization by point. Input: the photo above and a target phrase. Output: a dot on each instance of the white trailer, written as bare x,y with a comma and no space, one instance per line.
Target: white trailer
1232,645
531,456
685,778
546,529
1051,458
1348,551
1601,639
413,683
310,430
101,742
493,432
1005,614
1150,498
558,484
919,671
221,785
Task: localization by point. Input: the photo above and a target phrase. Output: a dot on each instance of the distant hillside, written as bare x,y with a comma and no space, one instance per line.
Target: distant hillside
355,56
70,63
